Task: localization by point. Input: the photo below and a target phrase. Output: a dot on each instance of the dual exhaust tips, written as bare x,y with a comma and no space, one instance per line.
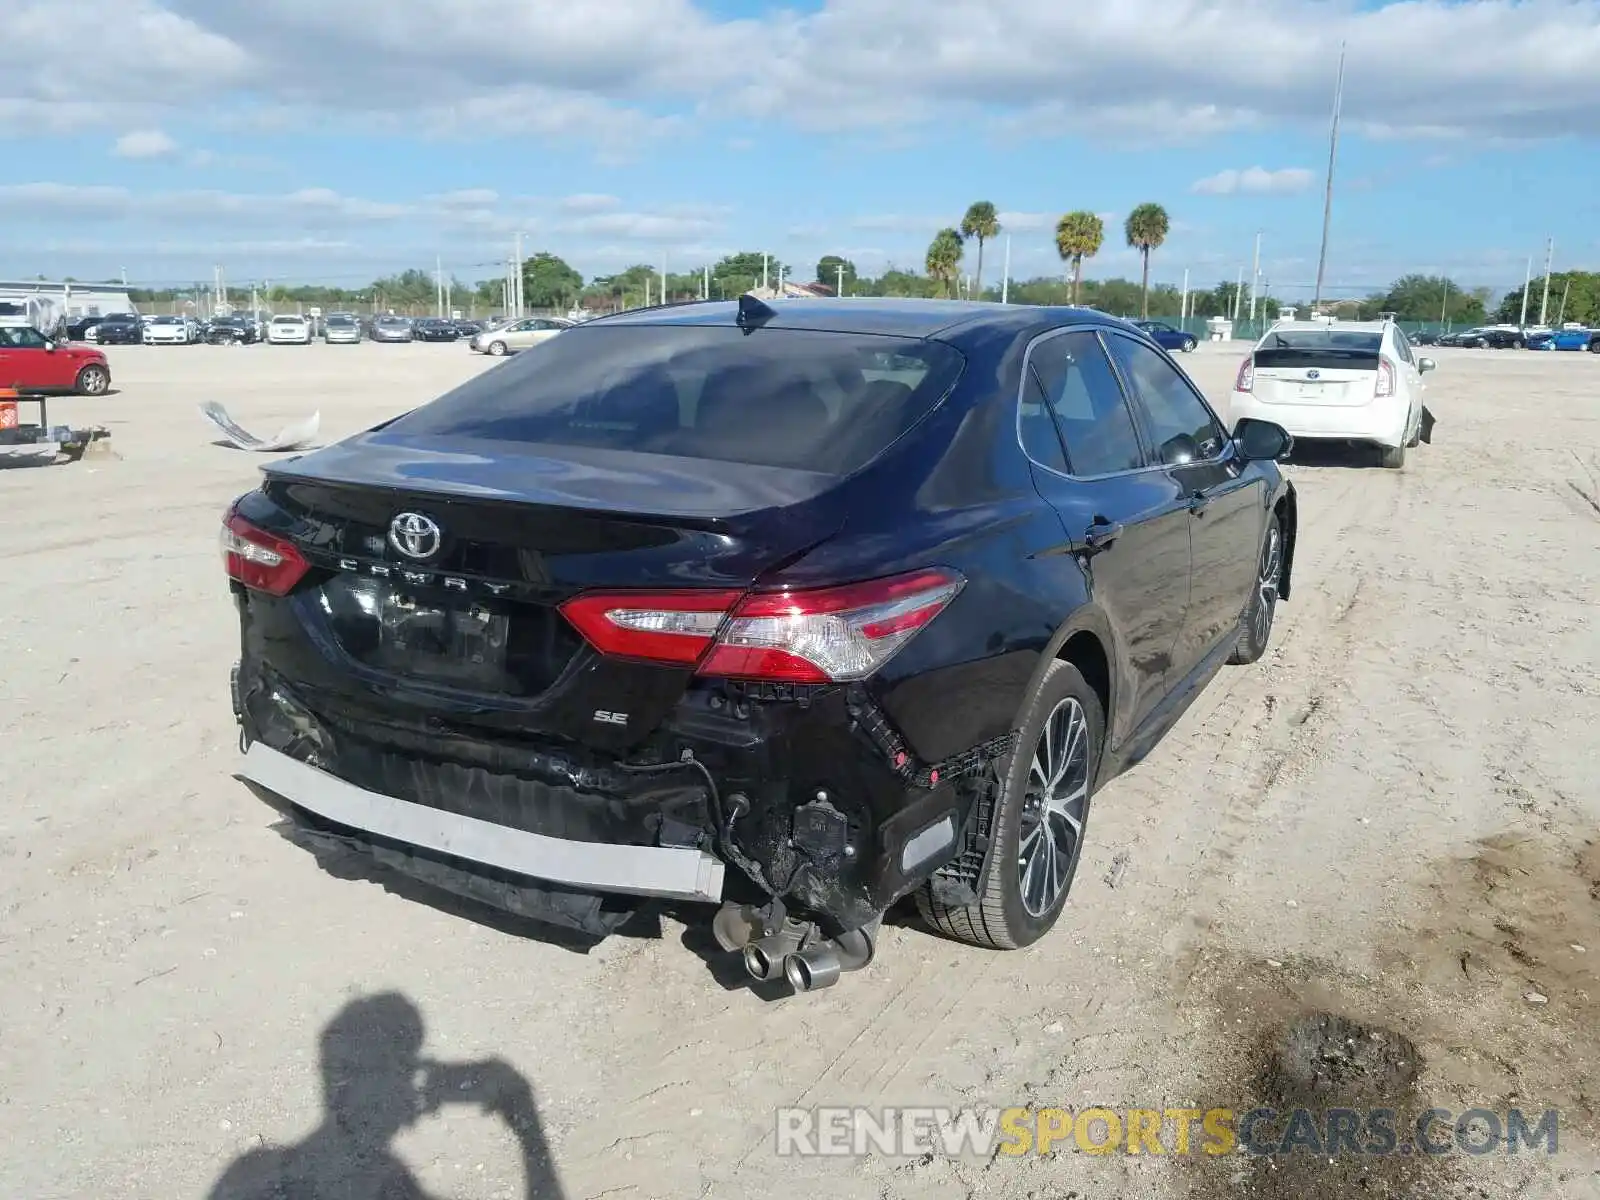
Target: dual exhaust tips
796,952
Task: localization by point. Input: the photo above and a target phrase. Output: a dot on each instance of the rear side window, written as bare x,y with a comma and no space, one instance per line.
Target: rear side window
1301,349
802,399
1083,395
1182,428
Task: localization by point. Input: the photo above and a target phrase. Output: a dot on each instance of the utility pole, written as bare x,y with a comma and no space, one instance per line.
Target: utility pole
1549,257
705,282
1327,200
763,272
1527,282
1444,305
516,279
665,287
838,273
1183,302
1255,277
1005,274
1238,294
438,285
1562,315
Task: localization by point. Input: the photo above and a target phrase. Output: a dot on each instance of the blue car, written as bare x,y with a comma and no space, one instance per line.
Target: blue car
1566,339
1166,336
911,580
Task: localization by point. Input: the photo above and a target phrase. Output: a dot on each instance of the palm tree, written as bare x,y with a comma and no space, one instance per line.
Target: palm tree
983,223
944,257
1079,236
1146,228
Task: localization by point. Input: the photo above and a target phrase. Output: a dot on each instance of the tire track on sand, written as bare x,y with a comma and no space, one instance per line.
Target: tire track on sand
1272,722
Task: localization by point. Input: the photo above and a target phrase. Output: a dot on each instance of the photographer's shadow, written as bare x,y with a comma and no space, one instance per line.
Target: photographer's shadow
375,1085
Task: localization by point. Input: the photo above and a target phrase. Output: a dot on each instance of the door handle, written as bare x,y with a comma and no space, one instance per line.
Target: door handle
1101,534
1198,503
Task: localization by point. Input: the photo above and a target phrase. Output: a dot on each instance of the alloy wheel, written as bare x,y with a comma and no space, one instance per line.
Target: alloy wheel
1054,807
1267,584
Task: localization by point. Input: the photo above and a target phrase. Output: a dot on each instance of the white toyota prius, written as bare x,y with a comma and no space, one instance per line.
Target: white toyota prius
1339,381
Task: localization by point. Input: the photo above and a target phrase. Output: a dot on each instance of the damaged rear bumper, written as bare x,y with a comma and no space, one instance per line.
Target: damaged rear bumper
821,805
679,873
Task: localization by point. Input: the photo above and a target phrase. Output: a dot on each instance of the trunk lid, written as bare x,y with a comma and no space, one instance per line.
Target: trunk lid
454,607
1340,378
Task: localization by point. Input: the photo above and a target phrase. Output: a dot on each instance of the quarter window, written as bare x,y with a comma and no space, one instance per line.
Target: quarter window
1181,426
1082,394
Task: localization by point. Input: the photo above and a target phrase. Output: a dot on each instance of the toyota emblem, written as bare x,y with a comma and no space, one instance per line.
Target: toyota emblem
1309,375
415,535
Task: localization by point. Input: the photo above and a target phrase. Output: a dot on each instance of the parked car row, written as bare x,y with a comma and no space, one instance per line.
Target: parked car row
285,329
1514,337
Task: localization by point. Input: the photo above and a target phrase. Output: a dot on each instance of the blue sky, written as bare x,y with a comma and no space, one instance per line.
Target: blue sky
337,142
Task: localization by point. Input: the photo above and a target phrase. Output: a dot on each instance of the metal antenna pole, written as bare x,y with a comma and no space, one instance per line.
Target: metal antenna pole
1327,200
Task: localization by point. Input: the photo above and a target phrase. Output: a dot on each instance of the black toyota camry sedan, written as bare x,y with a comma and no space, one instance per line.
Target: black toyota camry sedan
792,610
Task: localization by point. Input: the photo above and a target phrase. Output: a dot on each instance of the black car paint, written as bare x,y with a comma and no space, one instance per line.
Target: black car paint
1148,619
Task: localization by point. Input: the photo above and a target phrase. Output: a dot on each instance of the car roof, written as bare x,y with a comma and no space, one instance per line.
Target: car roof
892,316
1329,326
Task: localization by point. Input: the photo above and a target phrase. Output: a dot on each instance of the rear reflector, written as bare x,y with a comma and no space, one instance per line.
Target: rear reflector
824,635
260,560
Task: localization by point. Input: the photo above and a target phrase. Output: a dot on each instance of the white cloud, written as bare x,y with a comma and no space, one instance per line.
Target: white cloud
617,75
1022,222
145,143
1256,181
467,198
637,227
590,202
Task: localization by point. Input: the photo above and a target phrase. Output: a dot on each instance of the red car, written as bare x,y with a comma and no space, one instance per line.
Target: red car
31,362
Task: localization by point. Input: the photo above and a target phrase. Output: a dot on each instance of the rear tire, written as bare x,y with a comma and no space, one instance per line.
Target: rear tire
93,380
1255,626
1393,458
1062,730
1188,345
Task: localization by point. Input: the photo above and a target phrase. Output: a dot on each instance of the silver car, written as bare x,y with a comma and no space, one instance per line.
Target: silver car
391,329
341,328
519,335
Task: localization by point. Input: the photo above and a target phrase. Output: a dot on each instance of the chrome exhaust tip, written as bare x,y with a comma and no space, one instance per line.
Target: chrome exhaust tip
812,970
762,966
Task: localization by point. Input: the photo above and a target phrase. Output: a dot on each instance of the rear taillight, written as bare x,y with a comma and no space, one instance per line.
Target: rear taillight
260,560
1385,379
824,635
1246,381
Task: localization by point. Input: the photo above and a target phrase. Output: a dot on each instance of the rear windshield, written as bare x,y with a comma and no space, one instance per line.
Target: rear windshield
1340,349
807,400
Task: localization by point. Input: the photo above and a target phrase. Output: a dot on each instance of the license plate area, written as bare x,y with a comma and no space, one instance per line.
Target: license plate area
433,638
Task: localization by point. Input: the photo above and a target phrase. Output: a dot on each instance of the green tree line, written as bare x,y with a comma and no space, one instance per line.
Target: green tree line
550,283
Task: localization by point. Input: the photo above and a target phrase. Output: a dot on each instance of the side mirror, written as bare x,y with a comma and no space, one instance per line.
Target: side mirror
1262,441
49,346
1425,364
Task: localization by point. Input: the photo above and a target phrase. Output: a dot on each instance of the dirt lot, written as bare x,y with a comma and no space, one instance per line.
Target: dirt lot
1392,820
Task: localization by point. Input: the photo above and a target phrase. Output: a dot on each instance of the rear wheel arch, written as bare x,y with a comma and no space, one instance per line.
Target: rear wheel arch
1085,640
